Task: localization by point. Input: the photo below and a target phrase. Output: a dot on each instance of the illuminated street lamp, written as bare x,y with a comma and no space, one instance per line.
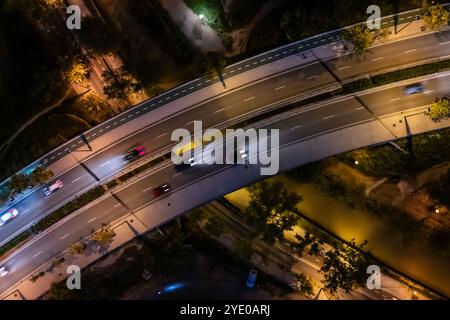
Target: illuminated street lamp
202,18
356,162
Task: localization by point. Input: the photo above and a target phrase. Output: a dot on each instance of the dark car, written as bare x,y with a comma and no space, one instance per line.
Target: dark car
134,153
158,191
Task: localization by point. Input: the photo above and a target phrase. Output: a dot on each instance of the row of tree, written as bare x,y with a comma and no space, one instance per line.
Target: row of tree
361,37
20,182
273,210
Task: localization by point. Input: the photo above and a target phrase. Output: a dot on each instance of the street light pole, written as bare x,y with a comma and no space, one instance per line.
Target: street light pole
324,65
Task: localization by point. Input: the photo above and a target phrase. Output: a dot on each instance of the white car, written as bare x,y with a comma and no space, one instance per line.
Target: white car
53,187
8,216
3,271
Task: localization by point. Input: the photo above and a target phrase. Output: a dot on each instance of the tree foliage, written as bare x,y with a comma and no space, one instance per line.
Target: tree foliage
19,183
302,285
439,110
104,236
40,176
272,210
120,83
96,36
170,252
78,71
436,17
344,269
77,248
212,64
360,36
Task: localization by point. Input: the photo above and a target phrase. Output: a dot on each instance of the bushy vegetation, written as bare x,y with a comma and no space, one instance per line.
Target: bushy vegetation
68,208
296,20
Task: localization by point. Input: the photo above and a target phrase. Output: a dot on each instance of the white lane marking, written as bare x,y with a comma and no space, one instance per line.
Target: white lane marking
188,123
108,127
402,19
446,42
344,67
246,66
255,62
146,189
328,117
395,99
105,163
114,123
248,99
37,254
130,115
64,236
428,91
311,77
117,205
317,260
296,127
220,110
90,220
77,179
101,130
123,119
161,135
359,108
176,174
411,50
280,87
376,59
25,211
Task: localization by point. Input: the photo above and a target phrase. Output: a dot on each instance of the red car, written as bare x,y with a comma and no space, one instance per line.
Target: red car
134,153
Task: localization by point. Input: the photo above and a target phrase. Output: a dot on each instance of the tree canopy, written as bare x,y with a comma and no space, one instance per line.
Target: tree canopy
272,210
439,110
360,36
344,269
436,18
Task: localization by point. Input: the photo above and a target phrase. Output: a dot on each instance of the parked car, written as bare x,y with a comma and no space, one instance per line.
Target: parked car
8,216
252,278
413,88
55,186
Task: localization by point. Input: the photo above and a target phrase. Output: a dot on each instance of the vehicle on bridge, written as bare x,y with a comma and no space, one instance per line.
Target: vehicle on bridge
8,216
158,191
50,189
413,88
3,271
135,153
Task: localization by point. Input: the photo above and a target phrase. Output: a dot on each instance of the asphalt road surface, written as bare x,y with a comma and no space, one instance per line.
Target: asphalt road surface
304,79
138,194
